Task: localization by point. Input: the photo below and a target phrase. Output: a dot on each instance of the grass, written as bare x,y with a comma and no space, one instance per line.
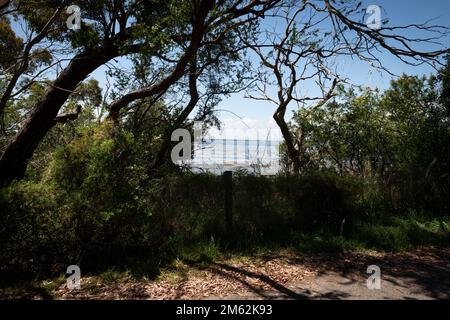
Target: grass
30,289
400,234
203,252
388,234
393,234
326,243
112,275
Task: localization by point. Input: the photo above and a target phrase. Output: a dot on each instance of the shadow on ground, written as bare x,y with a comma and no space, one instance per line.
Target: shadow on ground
422,274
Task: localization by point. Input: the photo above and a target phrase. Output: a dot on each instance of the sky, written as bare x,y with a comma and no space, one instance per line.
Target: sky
249,118
258,114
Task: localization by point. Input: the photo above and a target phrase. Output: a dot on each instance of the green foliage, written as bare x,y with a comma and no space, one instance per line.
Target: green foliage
402,131
33,225
10,45
403,233
375,176
106,217
91,208
270,209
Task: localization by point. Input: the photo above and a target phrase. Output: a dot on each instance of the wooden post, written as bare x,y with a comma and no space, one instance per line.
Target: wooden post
228,185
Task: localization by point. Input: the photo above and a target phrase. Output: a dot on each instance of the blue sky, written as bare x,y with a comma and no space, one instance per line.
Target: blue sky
399,12
258,115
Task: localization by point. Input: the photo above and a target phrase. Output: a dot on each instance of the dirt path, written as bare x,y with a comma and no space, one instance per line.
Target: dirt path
421,274
334,286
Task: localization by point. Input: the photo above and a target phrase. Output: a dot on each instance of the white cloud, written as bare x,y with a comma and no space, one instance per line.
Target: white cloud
253,129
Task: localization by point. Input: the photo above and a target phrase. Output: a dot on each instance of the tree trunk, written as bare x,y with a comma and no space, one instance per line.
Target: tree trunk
293,151
14,160
161,157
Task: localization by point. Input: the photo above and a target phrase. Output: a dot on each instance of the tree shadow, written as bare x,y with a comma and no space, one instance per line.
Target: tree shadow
279,291
427,270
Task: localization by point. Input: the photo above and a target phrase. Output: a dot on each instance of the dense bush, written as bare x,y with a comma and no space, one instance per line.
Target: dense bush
95,206
44,228
34,231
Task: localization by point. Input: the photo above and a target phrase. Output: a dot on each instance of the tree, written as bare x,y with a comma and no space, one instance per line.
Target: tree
418,107
350,135
313,35
117,28
401,131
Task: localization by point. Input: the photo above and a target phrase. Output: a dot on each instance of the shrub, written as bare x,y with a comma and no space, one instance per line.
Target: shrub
96,207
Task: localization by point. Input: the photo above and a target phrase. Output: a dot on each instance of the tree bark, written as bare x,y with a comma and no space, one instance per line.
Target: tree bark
167,143
293,151
14,160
